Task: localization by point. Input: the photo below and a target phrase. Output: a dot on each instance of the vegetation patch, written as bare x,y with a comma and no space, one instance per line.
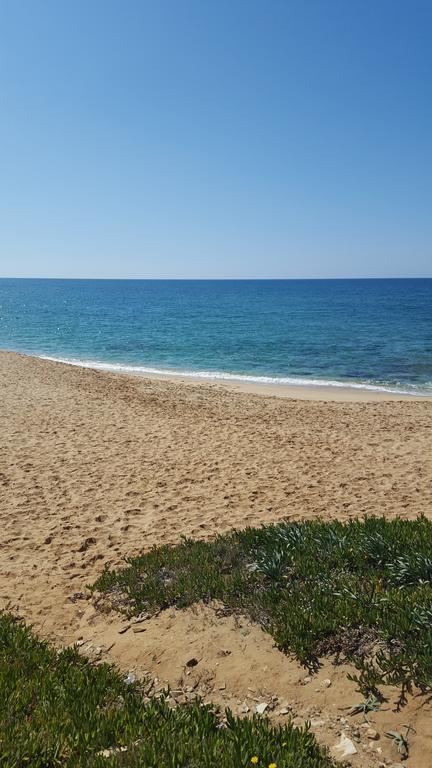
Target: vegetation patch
57,709
361,589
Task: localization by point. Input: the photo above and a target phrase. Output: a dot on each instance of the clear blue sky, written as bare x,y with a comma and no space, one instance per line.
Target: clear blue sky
216,138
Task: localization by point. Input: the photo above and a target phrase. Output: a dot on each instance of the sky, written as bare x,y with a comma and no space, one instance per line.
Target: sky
228,139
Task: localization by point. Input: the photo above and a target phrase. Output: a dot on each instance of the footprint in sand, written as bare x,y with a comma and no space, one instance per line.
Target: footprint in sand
89,542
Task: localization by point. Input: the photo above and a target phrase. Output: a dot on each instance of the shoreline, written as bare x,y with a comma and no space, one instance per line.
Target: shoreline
314,392
318,393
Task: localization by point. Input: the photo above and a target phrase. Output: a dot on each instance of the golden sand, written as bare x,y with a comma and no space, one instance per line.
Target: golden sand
95,466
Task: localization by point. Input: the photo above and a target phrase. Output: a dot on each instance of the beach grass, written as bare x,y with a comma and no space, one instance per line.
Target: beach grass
361,590
59,709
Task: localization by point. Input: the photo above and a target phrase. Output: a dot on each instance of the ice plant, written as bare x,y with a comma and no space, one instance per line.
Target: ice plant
319,588
73,713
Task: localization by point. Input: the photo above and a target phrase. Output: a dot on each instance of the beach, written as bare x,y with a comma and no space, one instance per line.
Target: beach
95,467
216,386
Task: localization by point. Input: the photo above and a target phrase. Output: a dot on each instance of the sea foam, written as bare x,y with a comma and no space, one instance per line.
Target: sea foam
287,381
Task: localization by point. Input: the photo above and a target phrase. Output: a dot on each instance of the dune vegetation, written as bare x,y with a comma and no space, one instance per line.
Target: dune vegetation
59,709
361,590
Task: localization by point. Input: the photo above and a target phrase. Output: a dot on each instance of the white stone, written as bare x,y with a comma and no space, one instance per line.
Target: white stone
261,708
344,748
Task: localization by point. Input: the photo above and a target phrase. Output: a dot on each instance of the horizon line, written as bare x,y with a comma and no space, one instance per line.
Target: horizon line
213,279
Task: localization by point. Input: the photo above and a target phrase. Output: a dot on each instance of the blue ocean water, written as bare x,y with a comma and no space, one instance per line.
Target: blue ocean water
361,333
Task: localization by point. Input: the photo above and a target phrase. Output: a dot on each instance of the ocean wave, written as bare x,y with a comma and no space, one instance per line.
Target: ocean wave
288,381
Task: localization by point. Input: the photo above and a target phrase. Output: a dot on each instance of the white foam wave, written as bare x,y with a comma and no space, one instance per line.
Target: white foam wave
290,381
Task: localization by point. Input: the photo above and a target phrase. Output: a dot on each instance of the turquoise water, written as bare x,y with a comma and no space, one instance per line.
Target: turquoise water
362,333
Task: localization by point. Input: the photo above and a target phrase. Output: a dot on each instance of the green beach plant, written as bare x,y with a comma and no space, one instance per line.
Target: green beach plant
360,589
58,709
370,704
401,741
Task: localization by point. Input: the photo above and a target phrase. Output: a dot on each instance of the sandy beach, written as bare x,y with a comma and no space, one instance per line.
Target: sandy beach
97,466
216,385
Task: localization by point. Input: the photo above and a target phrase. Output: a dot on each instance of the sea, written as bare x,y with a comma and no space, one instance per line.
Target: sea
364,334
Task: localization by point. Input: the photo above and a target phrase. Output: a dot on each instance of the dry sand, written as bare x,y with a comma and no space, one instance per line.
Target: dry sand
95,466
